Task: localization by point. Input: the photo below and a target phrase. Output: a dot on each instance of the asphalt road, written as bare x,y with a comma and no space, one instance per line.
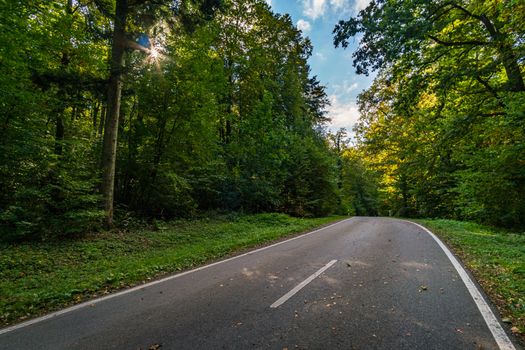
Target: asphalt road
365,283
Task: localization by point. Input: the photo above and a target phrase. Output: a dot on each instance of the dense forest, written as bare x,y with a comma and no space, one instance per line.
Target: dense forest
181,107
169,109
443,125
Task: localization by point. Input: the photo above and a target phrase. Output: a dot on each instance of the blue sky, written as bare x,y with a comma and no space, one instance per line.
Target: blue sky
317,18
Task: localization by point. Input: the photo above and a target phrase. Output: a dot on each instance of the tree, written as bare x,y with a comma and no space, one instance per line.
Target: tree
118,47
450,80
109,150
394,30
219,113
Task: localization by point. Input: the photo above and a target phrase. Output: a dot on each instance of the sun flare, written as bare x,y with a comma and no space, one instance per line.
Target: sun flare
154,53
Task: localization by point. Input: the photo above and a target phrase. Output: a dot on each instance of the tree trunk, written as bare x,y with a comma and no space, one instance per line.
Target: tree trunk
59,133
95,116
109,150
102,120
506,55
512,69
59,122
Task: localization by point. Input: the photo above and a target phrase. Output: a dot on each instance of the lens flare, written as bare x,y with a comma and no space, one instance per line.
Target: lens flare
154,53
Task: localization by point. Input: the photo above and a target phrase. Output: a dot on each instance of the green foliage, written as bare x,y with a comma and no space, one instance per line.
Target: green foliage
443,121
224,115
359,185
47,181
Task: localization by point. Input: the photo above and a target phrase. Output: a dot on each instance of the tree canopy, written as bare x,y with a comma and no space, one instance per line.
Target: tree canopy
444,122
170,109
203,105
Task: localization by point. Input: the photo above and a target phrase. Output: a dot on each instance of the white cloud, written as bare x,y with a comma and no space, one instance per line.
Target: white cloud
361,4
314,8
337,4
303,25
344,114
321,56
345,88
269,2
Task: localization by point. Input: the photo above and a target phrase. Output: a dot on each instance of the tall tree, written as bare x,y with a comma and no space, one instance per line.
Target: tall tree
118,46
437,120
109,150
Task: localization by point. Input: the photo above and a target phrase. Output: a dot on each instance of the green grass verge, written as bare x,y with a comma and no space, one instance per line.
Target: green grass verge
497,259
36,278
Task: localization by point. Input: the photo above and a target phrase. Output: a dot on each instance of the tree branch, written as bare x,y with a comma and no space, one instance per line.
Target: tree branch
491,90
465,11
457,43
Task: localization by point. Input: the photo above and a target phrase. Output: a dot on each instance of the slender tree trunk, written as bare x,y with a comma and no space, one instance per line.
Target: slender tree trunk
59,133
74,113
95,116
109,150
59,122
102,120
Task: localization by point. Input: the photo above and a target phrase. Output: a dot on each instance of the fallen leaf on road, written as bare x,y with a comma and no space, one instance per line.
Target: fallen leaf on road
515,330
506,320
459,330
154,347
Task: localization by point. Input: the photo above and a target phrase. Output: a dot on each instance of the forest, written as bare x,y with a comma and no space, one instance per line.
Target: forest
443,125
116,110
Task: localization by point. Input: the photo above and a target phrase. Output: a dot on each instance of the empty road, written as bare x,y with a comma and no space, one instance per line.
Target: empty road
363,283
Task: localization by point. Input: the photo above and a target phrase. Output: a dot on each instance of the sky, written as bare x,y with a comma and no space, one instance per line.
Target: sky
333,67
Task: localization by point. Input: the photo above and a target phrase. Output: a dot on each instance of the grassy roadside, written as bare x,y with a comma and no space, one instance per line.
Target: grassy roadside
36,278
497,259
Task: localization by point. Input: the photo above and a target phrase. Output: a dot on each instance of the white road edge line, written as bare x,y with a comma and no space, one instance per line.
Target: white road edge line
301,285
146,285
492,322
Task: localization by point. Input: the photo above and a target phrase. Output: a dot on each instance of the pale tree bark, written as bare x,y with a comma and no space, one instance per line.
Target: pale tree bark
109,151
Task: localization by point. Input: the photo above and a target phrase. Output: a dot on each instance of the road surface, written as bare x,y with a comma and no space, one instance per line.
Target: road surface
364,283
